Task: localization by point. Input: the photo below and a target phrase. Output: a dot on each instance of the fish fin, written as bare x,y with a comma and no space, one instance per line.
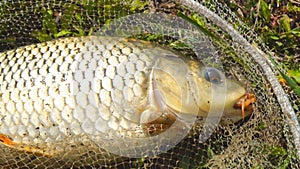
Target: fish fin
164,92
155,123
7,141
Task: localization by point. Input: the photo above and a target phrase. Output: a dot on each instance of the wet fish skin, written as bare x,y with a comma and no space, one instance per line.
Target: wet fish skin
96,85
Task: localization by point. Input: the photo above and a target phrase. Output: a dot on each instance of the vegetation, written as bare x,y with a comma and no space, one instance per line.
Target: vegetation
73,21
278,24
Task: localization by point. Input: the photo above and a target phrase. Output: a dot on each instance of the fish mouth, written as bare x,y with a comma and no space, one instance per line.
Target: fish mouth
245,103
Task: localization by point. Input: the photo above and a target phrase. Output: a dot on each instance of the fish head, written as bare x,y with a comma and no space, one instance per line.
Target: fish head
219,95
191,88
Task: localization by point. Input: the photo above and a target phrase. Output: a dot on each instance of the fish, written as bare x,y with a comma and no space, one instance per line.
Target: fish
54,94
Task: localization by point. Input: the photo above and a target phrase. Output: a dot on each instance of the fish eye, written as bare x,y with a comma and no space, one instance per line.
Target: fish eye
212,75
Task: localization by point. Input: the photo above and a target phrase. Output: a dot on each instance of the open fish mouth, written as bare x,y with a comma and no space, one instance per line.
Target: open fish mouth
245,103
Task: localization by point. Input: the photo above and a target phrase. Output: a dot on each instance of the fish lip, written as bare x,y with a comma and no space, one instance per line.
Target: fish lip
247,96
245,103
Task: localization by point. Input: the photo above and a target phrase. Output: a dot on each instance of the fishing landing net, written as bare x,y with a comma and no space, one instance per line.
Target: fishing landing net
207,30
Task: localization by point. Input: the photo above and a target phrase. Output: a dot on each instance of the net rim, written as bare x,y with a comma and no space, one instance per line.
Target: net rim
260,58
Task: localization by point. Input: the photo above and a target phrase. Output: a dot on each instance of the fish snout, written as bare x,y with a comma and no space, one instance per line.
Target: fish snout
238,103
245,103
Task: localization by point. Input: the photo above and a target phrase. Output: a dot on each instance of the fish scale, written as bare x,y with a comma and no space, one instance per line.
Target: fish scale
72,94
57,89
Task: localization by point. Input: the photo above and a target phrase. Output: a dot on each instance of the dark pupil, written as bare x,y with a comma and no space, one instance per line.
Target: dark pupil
212,75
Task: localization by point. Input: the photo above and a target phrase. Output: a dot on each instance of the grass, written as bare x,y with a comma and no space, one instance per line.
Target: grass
73,21
278,24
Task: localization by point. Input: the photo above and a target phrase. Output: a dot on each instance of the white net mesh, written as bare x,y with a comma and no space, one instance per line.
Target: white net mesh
269,138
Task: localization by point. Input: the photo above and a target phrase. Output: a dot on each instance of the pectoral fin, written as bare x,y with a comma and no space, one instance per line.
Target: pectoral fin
155,122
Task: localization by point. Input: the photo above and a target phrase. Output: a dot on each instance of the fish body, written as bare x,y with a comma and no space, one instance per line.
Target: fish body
64,90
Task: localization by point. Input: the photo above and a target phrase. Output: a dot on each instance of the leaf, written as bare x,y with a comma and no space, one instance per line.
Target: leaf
179,45
292,8
41,36
78,18
62,33
285,163
48,21
80,31
261,126
200,25
210,152
198,20
275,37
68,15
91,31
265,11
292,83
285,22
295,74
50,12
296,31
279,43
278,151
137,4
